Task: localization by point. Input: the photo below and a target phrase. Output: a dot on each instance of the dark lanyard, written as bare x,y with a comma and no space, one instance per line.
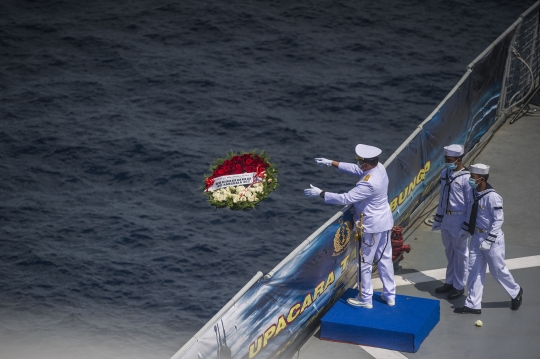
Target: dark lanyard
474,210
448,183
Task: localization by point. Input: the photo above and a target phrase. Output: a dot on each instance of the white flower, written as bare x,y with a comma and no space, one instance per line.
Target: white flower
235,198
221,197
243,198
478,323
240,189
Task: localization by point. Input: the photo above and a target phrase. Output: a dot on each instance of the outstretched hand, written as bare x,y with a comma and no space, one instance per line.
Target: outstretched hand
313,191
323,162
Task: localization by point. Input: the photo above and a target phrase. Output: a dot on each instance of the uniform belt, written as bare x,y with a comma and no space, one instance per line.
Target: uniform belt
455,212
480,230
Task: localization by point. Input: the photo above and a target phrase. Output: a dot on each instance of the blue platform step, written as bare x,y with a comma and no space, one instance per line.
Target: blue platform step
402,327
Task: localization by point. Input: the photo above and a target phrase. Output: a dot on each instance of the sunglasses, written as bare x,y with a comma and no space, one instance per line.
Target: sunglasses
358,158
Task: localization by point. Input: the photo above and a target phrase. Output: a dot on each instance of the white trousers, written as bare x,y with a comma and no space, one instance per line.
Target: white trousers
377,249
457,255
478,259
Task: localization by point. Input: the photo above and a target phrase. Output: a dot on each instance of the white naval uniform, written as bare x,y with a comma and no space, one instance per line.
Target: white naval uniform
489,220
451,213
370,196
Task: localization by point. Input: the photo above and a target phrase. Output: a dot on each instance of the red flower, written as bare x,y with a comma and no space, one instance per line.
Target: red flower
249,161
238,172
238,166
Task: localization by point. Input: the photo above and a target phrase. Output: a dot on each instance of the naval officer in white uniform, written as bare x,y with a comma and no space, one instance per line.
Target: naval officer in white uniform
484,220
372,212
450,216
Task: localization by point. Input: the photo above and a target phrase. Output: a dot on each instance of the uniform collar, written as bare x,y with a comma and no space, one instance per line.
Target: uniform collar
452,172
370,170
488,187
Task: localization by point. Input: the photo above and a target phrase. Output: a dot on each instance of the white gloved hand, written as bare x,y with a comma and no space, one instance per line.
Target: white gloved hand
436,226
485,245
463,234
323,162
313,191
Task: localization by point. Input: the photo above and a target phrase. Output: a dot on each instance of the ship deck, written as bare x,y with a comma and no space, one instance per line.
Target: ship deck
513,154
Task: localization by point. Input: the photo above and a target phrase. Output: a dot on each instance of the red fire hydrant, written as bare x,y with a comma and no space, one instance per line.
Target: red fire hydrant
397,244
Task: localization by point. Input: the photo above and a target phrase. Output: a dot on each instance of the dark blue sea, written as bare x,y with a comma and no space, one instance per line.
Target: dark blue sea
112,111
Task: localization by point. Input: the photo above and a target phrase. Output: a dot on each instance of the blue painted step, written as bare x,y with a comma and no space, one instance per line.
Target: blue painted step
402,327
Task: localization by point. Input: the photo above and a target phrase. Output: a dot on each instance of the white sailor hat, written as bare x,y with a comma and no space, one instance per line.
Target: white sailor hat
367,152
453,150
480,169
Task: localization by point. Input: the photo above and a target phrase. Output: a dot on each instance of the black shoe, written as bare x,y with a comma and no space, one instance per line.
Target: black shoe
444,289
455,293
467,310
516,302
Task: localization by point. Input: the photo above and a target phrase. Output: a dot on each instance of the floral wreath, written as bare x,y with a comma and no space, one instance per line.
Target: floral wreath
240,181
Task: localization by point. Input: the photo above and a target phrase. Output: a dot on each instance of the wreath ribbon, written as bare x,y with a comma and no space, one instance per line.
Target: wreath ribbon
258,174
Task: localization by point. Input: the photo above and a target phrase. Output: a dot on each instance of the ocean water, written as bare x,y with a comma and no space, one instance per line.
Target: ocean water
112,111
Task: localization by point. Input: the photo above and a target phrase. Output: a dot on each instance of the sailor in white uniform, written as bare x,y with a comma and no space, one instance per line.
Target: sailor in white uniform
484,220
372,215
450,216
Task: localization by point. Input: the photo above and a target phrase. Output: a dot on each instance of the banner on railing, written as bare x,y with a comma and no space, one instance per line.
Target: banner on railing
485,91
272,313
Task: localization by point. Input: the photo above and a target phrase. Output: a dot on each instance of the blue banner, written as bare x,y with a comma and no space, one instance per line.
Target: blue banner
270,314
485,91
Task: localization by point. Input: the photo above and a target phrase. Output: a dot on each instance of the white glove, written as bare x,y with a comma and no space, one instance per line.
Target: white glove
436,226
313,191
485,245
463,234
323,162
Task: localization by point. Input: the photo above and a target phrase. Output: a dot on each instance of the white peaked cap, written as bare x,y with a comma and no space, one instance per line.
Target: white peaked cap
366,151
453,150
480,169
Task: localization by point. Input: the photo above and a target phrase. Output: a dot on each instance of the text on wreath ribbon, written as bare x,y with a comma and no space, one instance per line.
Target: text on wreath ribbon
231,180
